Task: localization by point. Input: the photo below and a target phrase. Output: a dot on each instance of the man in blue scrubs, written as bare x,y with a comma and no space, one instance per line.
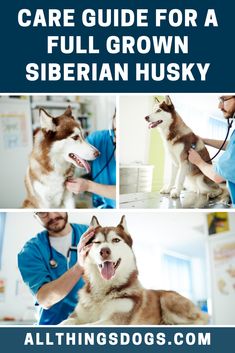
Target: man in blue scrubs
54,276
103,170
225,166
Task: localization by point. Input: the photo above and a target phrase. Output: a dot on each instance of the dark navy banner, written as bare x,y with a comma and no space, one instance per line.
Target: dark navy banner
117,46
153,339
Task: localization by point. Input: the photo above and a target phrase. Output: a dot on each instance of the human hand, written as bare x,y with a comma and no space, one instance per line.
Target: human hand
77,185
194,157
83,248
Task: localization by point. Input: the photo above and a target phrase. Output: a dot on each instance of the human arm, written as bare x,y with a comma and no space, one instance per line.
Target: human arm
206,168
80,185
214,143
52,292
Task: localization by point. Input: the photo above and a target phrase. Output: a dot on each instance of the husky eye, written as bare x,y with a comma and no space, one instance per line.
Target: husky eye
158,110
76,137
96,242
116,240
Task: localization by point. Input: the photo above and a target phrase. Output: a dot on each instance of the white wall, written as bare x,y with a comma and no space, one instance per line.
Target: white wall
15,146
19,227
200,274
152,234
104,108
134,134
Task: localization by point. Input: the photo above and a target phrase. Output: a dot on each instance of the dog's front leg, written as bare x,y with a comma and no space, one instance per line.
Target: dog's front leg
180,178
116,312
173,172
79,317
68,201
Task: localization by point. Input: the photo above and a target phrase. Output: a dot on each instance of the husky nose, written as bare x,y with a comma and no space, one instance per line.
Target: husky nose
96,153
105,253
147,118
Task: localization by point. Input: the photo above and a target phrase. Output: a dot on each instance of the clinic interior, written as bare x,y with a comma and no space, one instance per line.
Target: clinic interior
19,118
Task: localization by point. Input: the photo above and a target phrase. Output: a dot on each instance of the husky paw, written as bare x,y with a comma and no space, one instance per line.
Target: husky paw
203,319
175,194
165,190
214,194
200,318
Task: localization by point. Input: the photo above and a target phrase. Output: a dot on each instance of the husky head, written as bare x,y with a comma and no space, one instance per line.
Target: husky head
111,256
65,137
162,114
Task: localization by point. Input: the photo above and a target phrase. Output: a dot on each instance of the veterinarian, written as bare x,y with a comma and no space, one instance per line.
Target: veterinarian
103,170
224,170
49,266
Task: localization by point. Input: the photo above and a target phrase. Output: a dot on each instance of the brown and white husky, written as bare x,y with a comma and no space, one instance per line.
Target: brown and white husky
178,139
113,295
58,148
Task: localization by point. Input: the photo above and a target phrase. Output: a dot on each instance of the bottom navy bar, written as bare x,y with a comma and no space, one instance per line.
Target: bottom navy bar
113,339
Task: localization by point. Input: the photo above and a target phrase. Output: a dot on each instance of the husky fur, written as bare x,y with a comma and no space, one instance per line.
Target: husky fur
113,295
58,148
178,139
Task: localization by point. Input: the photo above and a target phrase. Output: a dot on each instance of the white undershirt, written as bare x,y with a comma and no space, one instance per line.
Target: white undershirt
62,244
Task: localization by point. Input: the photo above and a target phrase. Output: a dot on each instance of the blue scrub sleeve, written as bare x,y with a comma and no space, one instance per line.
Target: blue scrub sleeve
33,268
225,167
226,163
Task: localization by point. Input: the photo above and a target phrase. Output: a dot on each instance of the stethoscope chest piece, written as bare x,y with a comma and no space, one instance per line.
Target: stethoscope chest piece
53,263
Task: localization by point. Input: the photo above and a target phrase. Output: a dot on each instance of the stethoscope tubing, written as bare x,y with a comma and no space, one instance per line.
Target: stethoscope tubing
108,161
106,164
230,123
52,262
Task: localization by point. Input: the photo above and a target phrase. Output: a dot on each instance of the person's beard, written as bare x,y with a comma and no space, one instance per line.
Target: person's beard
227,115
57,224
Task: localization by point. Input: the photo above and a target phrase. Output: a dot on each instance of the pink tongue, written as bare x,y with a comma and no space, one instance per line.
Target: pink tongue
107,270
85,164
154,124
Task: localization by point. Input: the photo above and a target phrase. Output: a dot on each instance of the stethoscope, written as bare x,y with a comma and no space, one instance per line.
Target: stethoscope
230,123
52,262
111,134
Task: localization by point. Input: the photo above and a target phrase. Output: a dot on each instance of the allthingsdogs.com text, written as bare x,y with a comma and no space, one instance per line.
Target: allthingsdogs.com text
117,338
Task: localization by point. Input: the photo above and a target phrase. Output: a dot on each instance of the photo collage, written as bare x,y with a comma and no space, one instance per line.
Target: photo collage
117,209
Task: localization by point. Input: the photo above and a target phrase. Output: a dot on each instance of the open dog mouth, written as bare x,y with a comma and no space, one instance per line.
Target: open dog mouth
155,124
80,162
108,269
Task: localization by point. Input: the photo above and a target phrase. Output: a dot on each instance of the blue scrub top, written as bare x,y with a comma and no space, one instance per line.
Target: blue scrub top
103,141
33,263
225,166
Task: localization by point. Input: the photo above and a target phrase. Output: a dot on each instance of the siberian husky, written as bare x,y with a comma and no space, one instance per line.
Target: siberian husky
59,147
113,295
178,139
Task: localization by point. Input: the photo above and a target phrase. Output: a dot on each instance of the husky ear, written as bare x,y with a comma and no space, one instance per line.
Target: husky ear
156,99
123,225
168,100
94,222
46,120
68,112
127,238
